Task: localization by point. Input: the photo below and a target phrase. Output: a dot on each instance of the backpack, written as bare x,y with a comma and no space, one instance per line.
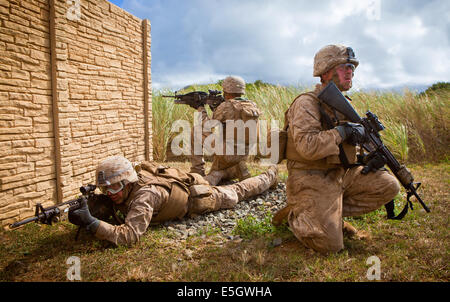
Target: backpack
283,133
246,110
176,181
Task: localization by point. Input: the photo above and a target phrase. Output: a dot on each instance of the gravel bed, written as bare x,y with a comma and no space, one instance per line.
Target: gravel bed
226,220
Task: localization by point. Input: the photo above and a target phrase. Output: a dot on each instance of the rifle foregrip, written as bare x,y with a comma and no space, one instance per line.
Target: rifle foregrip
405,176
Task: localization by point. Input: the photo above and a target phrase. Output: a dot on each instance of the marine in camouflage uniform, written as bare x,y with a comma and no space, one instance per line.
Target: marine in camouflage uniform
323,184
235,108
149,194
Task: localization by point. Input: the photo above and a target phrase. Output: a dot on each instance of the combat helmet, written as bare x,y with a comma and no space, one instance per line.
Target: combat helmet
331,56
113,170
234,84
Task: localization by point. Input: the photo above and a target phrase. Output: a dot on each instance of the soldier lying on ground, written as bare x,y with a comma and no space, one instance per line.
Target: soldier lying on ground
155,194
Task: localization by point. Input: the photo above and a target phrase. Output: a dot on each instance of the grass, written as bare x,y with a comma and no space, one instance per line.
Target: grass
250,227
417,126
414,249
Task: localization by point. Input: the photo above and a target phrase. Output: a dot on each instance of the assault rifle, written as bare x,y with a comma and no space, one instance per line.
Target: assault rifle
199,98
61,211
379,154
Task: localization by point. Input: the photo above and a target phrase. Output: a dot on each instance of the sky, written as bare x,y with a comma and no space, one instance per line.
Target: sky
399,43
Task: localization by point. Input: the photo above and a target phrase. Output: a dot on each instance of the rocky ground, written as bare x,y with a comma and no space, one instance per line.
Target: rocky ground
225,221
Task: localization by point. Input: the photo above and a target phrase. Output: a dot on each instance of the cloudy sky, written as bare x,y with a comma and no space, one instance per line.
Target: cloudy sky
400,43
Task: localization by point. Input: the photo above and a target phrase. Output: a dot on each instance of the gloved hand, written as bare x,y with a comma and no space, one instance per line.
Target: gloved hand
353,133
373,162
82,217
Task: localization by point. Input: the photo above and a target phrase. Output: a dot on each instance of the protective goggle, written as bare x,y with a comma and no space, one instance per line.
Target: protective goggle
345,66
112,189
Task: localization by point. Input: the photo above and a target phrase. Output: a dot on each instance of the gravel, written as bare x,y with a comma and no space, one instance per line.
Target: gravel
226,220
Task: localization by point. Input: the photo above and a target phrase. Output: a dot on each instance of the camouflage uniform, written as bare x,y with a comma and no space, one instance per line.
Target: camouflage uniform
320,190
227,167
197,160
154,199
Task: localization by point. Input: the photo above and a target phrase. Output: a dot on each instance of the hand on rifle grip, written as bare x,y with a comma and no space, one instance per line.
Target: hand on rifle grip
82,217
353,133
373,164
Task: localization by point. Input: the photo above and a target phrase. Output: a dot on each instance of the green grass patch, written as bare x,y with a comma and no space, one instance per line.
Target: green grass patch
250,227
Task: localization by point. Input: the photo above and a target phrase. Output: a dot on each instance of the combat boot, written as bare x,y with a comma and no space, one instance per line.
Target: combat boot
275,184
352,232
242,171
214,177
197,165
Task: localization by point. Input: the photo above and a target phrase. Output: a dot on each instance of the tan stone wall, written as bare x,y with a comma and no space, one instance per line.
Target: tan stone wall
98,92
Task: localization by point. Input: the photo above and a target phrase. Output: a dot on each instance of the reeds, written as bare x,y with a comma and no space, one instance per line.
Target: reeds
416,125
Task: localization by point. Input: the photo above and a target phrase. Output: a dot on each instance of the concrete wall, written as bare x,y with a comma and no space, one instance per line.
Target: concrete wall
74,89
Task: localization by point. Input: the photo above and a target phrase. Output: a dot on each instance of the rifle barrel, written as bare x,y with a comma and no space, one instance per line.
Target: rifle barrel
25,221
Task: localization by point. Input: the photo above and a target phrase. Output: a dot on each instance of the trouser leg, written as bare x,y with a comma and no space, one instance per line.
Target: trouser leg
256,185
227,168
366,193
242,171
226,197
198,137
319,200
214,177
316,215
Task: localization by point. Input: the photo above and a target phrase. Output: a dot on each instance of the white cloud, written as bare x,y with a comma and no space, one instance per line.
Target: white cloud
181,80
398,42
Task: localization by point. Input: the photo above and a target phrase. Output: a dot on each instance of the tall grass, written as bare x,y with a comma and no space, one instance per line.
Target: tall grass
273,100
164,113
416,125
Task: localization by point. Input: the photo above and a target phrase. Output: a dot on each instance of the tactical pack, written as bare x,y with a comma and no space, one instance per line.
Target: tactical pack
176,181
283,136
246,110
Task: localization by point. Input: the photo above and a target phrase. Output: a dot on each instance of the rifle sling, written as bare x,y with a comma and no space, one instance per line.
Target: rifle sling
390,210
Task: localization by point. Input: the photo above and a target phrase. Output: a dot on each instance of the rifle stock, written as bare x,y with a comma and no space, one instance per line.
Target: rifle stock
332,96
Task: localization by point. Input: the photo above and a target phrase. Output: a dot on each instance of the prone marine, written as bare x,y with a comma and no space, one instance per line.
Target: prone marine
150,193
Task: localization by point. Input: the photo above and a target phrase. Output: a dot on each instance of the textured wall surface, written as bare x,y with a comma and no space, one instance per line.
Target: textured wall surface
72,92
